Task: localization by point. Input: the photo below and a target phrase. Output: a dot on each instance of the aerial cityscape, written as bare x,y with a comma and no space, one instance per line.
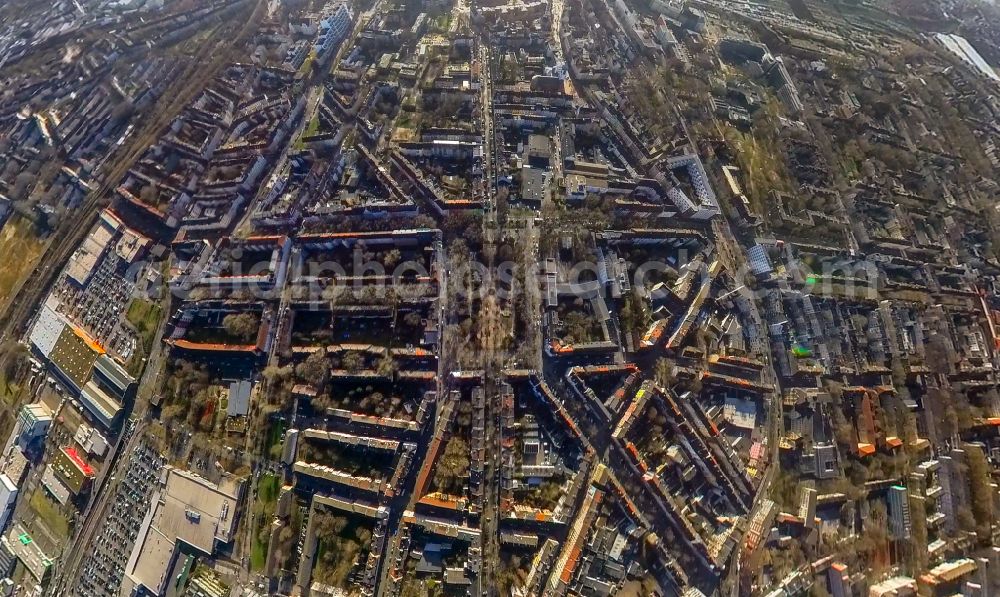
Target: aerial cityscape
493,298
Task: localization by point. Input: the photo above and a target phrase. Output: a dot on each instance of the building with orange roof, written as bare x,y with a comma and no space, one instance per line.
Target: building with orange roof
444,502
211,314
568,560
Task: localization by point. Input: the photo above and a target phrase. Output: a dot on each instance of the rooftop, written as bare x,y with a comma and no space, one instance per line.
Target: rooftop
74,354
188,509
27,551
46,331
239,398
81,264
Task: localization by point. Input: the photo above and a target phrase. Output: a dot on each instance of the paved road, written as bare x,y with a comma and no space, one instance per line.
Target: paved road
733,256
209,60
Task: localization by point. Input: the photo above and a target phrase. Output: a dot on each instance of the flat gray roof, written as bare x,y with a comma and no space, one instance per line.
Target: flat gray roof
239,398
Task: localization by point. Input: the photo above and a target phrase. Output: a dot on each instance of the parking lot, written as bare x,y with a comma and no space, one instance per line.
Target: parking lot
102,570
100,307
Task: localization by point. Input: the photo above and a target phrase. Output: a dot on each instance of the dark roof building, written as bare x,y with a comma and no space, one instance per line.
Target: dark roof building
538,153
532,185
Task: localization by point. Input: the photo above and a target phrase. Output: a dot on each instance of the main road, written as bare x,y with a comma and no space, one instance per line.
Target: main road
491,338
733,257
204,65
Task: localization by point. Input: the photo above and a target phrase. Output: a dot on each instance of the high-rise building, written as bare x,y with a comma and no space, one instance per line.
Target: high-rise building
840,581
33,422
899,512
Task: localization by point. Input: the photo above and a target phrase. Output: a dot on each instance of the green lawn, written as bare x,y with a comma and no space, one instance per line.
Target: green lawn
49,514
258,554
17,238
268,488
275,438
145,317
306,67
313,127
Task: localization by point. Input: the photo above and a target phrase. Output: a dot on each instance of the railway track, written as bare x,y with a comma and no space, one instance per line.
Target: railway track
71,232
203,66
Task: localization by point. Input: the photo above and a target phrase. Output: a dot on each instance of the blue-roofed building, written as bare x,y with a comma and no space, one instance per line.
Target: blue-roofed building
760,263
